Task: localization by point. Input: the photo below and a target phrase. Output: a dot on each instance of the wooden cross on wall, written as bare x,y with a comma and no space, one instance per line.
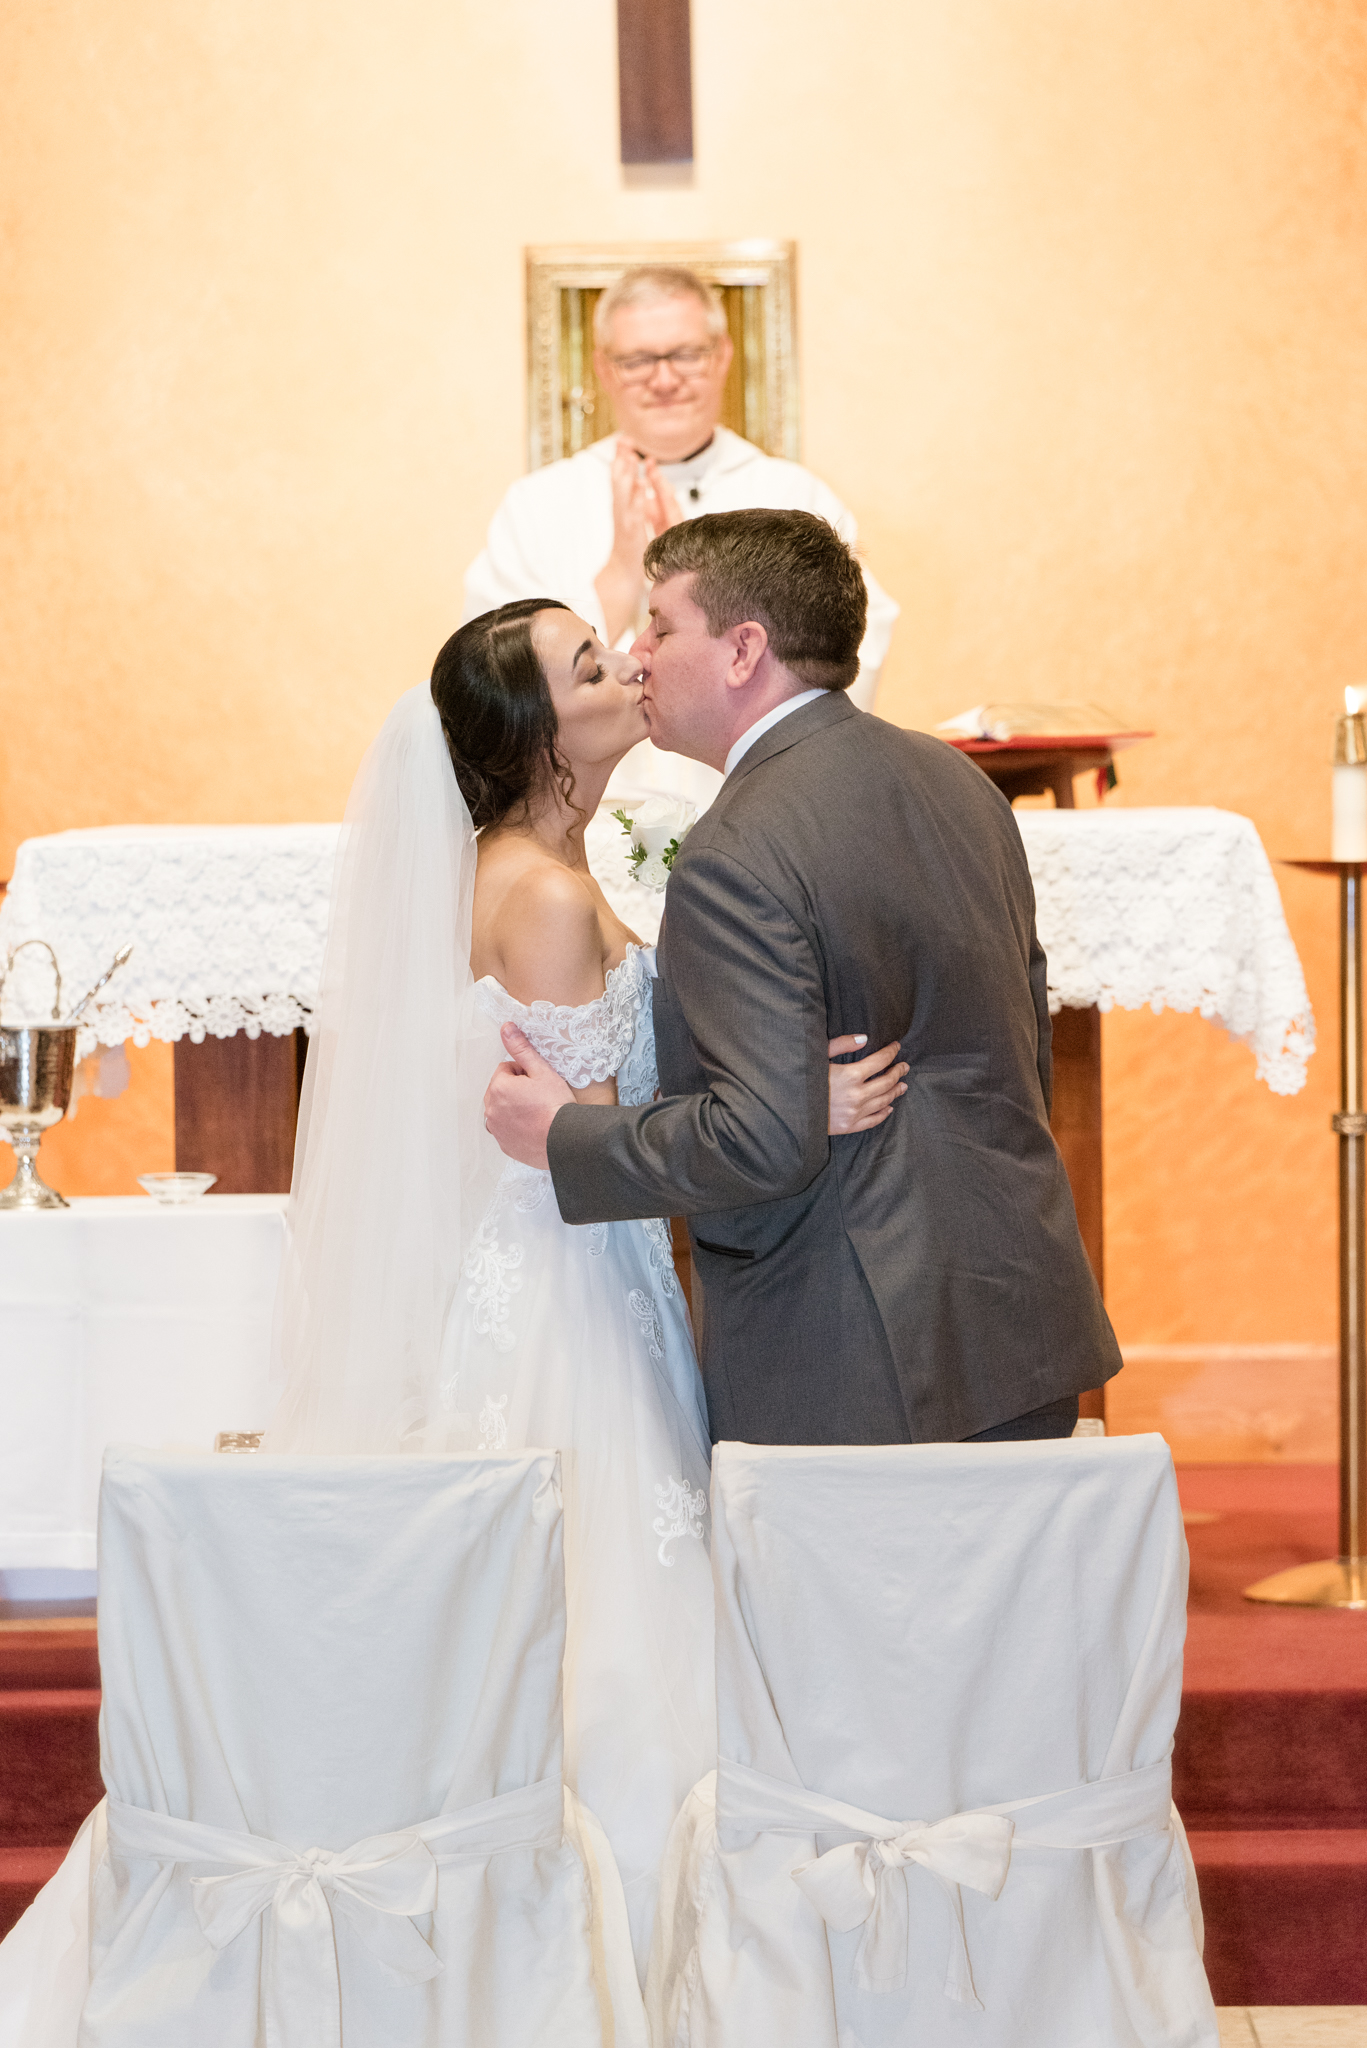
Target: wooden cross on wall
655,81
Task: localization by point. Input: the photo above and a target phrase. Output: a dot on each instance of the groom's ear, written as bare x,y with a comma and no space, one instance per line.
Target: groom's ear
750,643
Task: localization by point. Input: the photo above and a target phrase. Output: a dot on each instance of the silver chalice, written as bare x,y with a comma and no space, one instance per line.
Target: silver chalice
37,1062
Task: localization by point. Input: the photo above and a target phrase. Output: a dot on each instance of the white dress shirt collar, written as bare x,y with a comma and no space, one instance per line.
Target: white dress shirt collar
761,725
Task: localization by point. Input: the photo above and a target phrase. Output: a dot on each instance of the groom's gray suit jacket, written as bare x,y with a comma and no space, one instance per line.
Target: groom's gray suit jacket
917,1282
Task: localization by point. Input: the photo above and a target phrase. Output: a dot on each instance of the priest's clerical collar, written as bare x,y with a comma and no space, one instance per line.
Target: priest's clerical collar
685,476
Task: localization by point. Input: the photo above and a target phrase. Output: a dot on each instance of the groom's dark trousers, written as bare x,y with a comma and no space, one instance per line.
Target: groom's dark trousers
918,1282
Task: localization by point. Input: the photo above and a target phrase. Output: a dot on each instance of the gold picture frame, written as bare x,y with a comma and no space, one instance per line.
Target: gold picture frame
566,407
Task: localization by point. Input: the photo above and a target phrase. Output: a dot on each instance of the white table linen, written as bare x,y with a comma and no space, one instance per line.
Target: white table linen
1174,908
913,1643
332,1744
1177,909
227,924
121,1319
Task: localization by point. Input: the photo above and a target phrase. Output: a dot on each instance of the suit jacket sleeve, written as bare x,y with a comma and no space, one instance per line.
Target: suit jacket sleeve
752,1001
1044,1050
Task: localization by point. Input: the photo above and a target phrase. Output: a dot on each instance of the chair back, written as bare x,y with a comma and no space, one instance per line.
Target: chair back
396,1625
923,1628
332,1742
919,1632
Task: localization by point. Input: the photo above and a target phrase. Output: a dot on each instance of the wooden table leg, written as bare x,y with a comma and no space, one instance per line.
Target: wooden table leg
237,1101
1076,1124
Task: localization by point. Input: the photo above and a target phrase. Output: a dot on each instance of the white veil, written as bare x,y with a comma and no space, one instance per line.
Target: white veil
393,1168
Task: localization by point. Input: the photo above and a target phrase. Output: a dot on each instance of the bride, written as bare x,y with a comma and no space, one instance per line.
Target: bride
432,1298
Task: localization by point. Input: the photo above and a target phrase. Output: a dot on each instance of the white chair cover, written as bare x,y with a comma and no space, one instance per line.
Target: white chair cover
331,1742
913,1643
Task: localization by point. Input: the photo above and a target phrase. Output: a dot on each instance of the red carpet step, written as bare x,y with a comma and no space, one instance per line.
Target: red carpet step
23,1873
1270,1764
51,1778
48,1656
49,1751
1285,1913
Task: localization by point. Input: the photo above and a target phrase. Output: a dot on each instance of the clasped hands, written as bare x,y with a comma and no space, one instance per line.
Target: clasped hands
642,506
525,1094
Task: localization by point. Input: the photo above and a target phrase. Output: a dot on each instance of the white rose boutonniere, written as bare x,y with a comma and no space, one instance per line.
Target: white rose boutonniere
656,828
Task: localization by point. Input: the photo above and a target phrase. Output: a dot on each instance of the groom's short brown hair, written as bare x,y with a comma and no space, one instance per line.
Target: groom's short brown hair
789,571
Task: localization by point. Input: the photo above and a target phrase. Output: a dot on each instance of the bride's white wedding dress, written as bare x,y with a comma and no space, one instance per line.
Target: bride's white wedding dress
577,1337
431,1299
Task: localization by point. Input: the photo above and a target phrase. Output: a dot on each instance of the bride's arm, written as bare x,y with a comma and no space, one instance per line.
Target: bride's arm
551,950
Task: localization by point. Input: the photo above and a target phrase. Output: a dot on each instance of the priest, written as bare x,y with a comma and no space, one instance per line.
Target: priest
578,529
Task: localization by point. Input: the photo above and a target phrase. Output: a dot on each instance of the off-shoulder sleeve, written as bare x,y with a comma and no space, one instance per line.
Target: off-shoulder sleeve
586,1042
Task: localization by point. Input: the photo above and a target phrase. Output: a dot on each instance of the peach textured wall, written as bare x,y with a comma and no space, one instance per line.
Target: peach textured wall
1082,307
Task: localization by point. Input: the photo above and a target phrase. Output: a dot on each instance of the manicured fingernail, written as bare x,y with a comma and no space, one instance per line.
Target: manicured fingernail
861,1037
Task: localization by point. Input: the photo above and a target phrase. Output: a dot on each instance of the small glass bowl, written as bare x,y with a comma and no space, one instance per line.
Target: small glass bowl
173,1190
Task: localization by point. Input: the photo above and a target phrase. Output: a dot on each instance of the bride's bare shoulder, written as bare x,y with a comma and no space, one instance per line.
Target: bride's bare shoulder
537,929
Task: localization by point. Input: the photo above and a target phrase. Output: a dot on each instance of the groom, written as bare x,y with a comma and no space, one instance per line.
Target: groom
917,1282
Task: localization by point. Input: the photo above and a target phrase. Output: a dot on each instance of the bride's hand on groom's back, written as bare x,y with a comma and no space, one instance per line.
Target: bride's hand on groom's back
864,1091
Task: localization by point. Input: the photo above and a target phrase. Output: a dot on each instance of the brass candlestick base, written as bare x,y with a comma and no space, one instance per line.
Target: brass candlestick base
1338,1582
1342,1581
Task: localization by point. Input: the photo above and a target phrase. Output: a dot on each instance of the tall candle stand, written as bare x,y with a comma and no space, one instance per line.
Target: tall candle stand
1342,1581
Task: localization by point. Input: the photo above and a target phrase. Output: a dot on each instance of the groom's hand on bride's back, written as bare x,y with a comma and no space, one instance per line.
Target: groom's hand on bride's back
521,1101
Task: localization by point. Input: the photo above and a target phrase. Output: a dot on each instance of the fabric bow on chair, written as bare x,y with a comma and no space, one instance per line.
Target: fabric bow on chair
373,1890
865,1884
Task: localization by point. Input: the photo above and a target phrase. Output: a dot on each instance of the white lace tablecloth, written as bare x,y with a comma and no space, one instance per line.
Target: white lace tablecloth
227,924
1174,908
1177,909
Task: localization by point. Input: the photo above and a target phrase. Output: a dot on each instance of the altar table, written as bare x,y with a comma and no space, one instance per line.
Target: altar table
1166,907
122,1320
1174,908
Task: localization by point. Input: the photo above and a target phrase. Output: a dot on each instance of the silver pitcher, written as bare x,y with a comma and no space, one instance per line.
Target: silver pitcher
37,1063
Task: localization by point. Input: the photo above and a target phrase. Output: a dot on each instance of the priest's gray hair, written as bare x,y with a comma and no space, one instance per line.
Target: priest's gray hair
650,284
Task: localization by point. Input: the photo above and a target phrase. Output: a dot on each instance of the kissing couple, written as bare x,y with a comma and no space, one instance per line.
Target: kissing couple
886,1246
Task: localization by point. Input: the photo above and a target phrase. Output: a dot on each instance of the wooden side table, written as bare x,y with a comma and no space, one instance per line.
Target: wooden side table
1038,766
237,1103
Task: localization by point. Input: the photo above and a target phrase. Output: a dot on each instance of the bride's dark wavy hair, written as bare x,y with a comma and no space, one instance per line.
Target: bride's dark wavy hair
497,714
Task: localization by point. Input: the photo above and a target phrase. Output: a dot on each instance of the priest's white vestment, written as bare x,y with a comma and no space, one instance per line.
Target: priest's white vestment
552,535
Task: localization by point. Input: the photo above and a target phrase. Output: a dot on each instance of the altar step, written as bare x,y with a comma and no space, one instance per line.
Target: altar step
1285,1911
50,1779
1267,1768
23,1873
49,1751
38,1654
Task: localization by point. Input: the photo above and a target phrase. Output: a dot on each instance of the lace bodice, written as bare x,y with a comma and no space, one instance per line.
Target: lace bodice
589,1042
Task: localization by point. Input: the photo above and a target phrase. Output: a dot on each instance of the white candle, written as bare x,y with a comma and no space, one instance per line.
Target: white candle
1350,779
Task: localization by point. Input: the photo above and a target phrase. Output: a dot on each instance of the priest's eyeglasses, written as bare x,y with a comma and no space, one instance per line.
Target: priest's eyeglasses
685,362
